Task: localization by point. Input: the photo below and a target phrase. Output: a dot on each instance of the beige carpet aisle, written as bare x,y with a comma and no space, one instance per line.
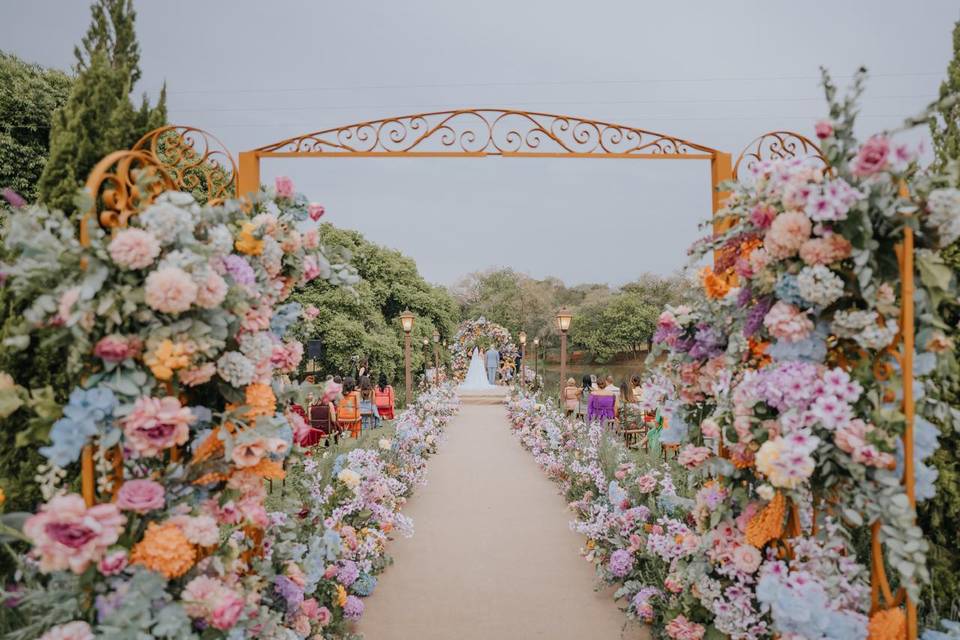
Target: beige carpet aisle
493,556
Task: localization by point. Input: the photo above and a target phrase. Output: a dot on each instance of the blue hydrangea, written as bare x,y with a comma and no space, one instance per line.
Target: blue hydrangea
283,317
788,291
364,585
616,495
338,463
925,444
811,349
951,631
85,415
802,608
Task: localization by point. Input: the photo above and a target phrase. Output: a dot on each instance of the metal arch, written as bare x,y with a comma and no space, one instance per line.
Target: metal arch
777,145
197,160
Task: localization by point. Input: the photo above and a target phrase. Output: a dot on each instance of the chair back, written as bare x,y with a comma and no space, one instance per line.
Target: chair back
600,407
320,417
383,397
349,409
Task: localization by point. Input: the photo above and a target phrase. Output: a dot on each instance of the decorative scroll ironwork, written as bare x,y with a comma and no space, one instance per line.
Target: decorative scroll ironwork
776,145
198,162
487,132
122,184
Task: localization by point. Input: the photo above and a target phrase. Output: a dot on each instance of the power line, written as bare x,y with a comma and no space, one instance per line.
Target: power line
539,83
516,104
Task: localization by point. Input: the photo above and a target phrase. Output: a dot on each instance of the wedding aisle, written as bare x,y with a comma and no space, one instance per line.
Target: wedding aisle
493,556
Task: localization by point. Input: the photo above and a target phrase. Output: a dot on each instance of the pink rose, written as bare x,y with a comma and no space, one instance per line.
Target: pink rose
324,616
116,348
68,535
76,630
227,610
682,629
170,290
330,572
692,456
156,424
646,483
134,248
785,322
311,239
113,563
315,210
747,558
141,496
310,608
196,376
762,215
872,157
786,234
824,129
284,187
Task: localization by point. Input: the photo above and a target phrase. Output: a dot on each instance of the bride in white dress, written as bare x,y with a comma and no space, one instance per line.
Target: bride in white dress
476,379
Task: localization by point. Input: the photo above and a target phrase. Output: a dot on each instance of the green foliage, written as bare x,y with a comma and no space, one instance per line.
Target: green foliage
365,324
98,117
622,323
945,126
29,94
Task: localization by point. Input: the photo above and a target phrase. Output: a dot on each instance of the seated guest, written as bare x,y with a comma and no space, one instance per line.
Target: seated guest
369,416
584,399
384,397
571,396
348,409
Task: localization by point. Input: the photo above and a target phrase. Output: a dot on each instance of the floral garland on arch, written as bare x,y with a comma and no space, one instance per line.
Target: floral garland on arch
481,333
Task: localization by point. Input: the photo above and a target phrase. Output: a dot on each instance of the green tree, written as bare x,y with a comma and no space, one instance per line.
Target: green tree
29,94
98,117
623,323
945,125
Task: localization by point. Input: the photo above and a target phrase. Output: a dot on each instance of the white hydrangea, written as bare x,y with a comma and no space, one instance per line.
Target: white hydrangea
257,346
847,324
182,259
220,240
236,369
272,256
167,221
819,285
877,337
944,207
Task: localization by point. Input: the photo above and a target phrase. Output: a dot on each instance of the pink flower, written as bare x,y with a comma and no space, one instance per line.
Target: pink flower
76,630
170,290
311,239
785,322
198,594
141,496
747,558
872,157
330,571
646,483
212,291
682,629
156,424
672,584
826,250
286,356
310,608
692,456
824,129
68,535
311,312
116,348
284,187
315,210
709,428
134,248
762,215
197,375
67,300
248,454
786,234
113,563
200,530
227,610
310,268
324,616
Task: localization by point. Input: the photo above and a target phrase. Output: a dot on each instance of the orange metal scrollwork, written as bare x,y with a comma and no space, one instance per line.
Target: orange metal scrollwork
487,132
776,145
196,160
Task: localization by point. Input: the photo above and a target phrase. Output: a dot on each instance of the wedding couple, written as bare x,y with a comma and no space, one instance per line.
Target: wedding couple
482,373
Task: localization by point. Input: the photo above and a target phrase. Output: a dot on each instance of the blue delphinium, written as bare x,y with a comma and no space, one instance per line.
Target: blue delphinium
84,416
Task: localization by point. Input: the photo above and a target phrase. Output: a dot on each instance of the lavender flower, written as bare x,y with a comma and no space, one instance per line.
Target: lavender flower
289,591
240,270
348,572
353,609
755,317
621,563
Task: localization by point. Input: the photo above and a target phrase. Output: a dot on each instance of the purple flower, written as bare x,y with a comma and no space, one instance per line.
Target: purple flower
13,198
240,270
289,591
755,317
744,297
707,342
353,608
348,573
621,563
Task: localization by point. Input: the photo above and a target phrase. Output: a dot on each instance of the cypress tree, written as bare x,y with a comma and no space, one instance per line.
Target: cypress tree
945,127
99,116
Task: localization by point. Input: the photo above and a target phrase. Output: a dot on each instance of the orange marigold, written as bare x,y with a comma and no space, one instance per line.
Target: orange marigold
164,549
888,624
210,447
714,285
767,524
260,399
268,469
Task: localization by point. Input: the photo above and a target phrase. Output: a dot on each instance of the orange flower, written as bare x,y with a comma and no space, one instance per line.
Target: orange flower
888,624
261,401
246,242
767,524
210,447
714,286
758,351
211,478
268,469
167,357
164,549
341,595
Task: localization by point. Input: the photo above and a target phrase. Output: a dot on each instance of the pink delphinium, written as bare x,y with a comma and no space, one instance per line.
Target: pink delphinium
284,187
786,234
785,322
117,348
141,496
156,424
170,290
68,535
134,248
682,629
315,210
872,157
76,630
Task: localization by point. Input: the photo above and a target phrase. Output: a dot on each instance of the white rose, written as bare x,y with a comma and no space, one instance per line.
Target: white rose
765,491
349,477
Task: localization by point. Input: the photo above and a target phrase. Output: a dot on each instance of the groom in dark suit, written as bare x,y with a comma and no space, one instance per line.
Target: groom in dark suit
492,359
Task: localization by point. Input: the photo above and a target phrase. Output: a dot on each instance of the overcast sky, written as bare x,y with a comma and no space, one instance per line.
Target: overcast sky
717,73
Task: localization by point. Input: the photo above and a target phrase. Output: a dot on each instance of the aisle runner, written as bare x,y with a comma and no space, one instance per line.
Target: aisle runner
493,556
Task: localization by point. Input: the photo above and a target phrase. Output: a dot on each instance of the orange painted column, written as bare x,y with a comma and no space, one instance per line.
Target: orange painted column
249,173
721,170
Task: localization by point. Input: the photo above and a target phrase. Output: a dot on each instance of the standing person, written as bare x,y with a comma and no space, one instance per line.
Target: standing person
369,416
584,400
571,396
383,395
493,363
348,410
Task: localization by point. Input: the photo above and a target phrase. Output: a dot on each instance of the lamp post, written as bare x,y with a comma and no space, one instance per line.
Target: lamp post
406,321
536,359
436,357
563,324
426,359
523,348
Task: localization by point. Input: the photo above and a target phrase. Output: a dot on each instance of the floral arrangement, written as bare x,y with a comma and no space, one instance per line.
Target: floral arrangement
480,333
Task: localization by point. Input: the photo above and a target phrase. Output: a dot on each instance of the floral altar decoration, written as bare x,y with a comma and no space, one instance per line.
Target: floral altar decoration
481,333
